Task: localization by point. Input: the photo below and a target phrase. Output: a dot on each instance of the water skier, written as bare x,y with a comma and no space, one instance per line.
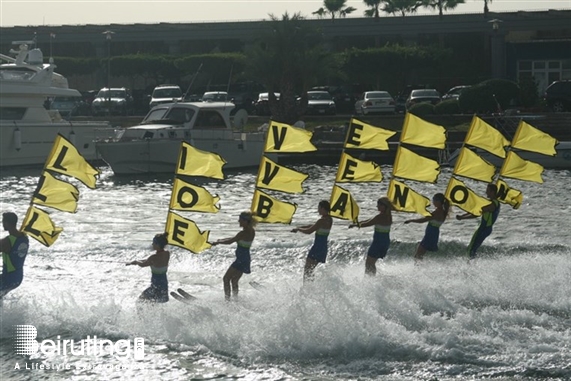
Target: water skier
490,214
158,292
241,265
322,227
381,238
432,232
14,252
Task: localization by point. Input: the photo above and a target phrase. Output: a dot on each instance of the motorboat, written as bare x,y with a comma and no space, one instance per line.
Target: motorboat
562,159
27,128
153,146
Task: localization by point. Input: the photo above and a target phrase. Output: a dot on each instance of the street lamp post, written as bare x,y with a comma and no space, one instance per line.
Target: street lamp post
108,34
497,50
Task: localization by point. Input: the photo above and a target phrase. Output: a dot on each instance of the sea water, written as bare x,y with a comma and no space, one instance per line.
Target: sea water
506,316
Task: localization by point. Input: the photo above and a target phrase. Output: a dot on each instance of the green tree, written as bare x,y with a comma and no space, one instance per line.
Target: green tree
442,5
334,8
486,9
402,7
373,10
289,59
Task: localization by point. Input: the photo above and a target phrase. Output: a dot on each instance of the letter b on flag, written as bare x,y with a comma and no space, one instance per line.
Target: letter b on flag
26,343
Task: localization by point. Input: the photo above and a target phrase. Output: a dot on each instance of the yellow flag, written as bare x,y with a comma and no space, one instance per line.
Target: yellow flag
465,198
195,162
38,225
412,166
353,170
509,195
56,193
184,233
529,138
343,205
285,138
421,133
276,177
486,137
64,158
189,197
364,136
470,165
404,199
517,168
271,210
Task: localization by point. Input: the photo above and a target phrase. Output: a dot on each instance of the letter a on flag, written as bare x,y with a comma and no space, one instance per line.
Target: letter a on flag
195,162
343,205
465,198
38,225
64,158
184,233
189,197
56,193
285,138
276,177
271,210
404,199
364,136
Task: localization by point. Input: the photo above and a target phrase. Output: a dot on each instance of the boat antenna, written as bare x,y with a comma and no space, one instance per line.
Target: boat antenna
228,86
191,82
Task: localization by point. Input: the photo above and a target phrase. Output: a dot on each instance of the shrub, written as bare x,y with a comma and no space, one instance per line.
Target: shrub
480,98
529,95
422,109
447,107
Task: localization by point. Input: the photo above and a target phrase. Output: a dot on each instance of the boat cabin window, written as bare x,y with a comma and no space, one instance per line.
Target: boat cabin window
12,113
209,119
180,114
148,135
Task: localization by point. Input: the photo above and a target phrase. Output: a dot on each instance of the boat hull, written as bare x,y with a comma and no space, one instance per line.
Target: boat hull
32,145
161,156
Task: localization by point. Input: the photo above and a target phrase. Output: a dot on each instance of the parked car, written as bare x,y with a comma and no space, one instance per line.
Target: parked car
342,96
454,93
215,96
112,101
165,94
402,97
422,95
375,101
558,96
69,106
262,106
320,102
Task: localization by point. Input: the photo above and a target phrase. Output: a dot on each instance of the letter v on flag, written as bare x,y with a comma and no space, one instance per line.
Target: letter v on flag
38,225
276,177
285,138
64,158
56,193
195,162
184,233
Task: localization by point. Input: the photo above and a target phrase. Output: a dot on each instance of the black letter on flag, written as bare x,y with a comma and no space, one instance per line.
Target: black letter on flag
353,134
178,231
192,193
264,207
278,140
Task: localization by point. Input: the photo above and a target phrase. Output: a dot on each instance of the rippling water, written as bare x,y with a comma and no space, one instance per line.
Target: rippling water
507,316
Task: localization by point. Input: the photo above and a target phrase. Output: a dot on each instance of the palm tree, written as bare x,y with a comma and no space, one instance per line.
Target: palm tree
402,6
289,59
374,8
334,7
486,9
442,5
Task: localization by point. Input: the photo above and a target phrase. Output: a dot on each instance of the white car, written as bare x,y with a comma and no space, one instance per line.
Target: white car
375,101
215,96
165,94
320,102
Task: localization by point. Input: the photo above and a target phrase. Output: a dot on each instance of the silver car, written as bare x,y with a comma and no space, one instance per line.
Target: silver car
375,102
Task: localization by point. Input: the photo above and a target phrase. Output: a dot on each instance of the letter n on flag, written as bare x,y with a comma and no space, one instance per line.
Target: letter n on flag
186,234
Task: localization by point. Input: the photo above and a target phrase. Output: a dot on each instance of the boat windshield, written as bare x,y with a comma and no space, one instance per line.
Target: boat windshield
173,114
15,74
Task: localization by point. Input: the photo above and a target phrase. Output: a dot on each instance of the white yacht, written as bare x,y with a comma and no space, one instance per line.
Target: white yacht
153,146
27,129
